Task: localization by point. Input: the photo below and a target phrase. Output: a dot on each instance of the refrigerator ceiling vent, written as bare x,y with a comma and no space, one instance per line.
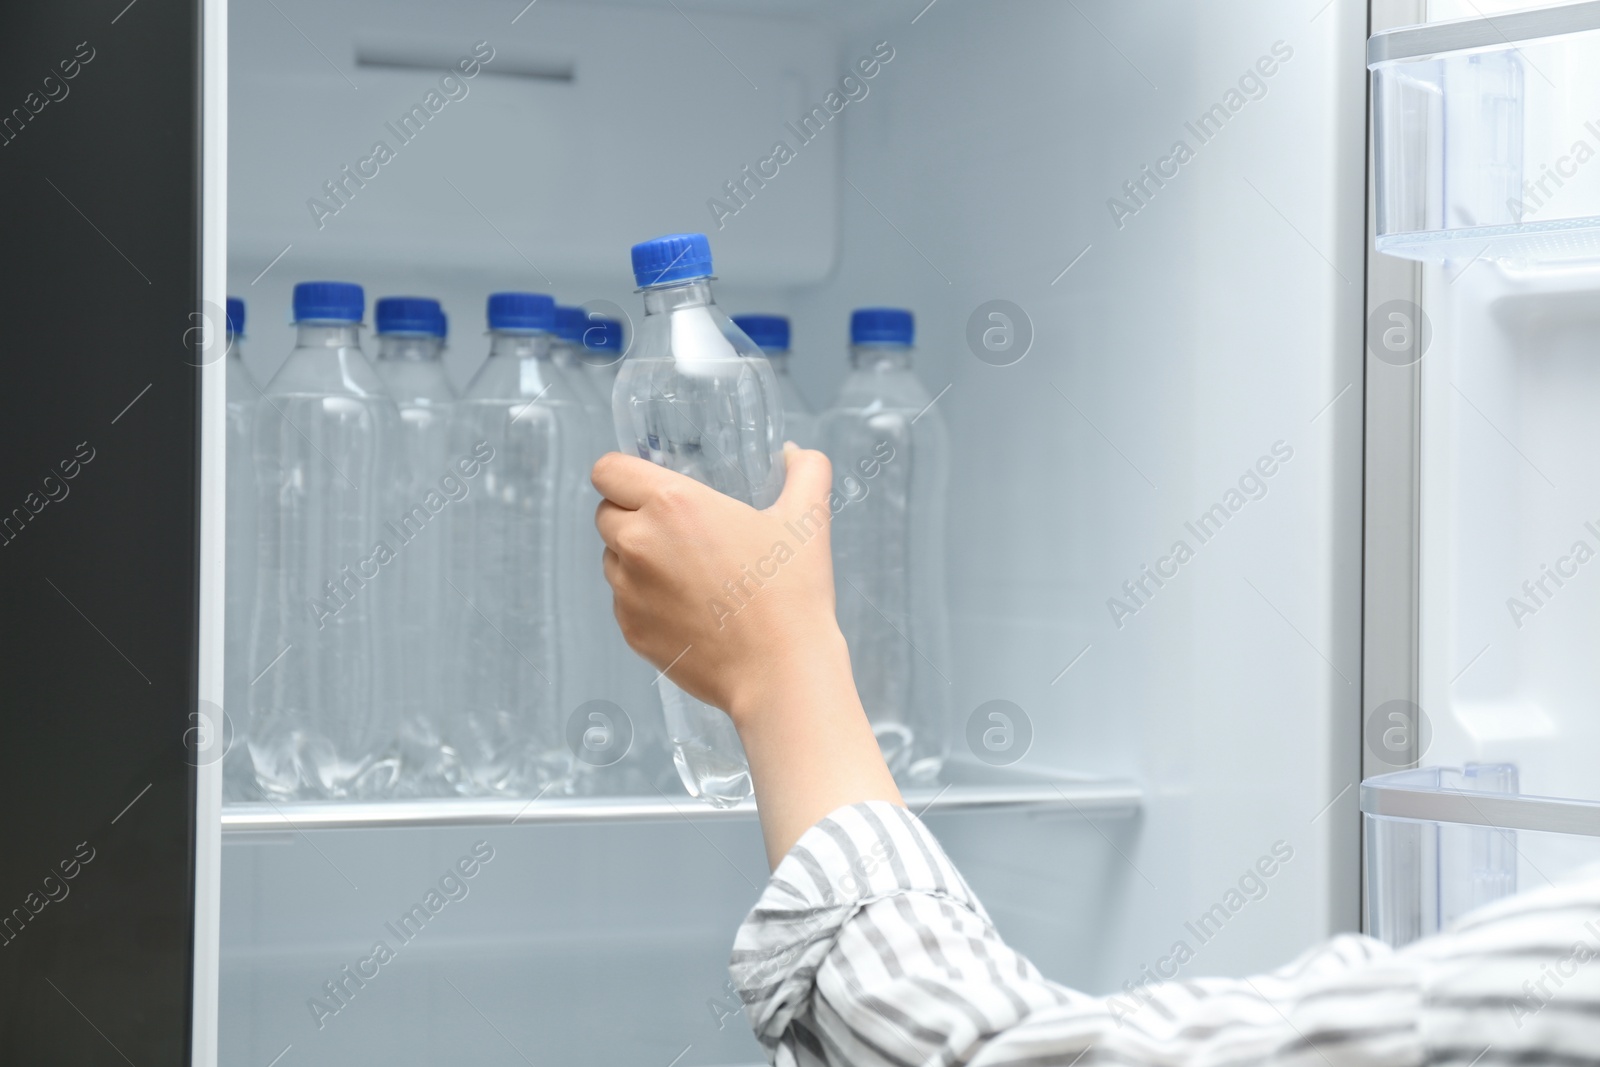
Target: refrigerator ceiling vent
436,58
376,146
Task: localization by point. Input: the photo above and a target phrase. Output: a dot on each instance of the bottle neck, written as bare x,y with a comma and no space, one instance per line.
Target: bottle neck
517,344
880,357
328,335
565,352
418,347
779,358
665,299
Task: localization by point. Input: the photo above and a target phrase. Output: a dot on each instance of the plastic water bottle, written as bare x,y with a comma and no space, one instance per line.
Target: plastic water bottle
696,395
238,781
567,349
771,332
511,561
422,608
628,680
603,348
325,435
599,647
890,456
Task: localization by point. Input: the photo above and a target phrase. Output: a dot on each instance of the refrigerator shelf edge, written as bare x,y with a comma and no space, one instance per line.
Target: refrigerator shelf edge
1560,240
1490,31
1069,796
1406,795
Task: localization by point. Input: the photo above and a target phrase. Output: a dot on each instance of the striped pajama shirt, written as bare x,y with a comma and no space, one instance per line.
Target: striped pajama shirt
867,948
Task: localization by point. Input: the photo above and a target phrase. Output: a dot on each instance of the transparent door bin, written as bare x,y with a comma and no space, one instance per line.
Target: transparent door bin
1442,841
1486,137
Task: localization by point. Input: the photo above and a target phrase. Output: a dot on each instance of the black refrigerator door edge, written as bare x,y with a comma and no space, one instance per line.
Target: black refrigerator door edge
100,182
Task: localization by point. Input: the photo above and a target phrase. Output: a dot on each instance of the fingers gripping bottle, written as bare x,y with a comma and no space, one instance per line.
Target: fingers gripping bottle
697,396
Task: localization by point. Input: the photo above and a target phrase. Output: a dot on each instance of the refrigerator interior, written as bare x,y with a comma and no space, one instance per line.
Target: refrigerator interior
1178,347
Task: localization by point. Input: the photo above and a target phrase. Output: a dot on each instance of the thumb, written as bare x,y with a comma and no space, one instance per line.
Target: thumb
808,479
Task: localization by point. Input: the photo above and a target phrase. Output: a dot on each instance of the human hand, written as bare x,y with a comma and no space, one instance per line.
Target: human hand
736,606
729,601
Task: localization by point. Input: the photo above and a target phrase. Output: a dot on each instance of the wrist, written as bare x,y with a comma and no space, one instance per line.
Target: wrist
815,659
810,746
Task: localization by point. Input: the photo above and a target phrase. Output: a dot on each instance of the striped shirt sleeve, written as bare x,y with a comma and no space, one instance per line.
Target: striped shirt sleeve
868,948
1517,982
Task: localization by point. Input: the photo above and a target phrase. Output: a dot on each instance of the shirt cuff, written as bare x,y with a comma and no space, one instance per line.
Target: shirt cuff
857,855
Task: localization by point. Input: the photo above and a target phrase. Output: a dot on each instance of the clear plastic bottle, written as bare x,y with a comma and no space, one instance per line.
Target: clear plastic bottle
890,454
590,619
511,559
567,349
771,332
325,436
628,680
238,781
422,608
603,346
696,395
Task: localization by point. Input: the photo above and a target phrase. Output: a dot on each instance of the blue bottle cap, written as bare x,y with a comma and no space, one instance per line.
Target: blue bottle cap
328,302
407,314
522,311
770,332
236,316
441,326
603,335
881,326
571,322
672,258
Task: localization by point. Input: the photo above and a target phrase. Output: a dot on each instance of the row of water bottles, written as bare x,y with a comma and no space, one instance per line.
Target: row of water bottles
415,602
407,606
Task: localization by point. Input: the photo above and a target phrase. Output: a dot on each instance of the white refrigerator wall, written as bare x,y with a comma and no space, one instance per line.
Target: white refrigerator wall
1216,325
1221,318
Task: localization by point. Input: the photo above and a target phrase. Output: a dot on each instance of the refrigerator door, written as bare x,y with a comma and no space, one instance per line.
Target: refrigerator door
1482,610
109,644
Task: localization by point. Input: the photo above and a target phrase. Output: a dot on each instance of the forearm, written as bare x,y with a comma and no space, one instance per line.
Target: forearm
810,747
